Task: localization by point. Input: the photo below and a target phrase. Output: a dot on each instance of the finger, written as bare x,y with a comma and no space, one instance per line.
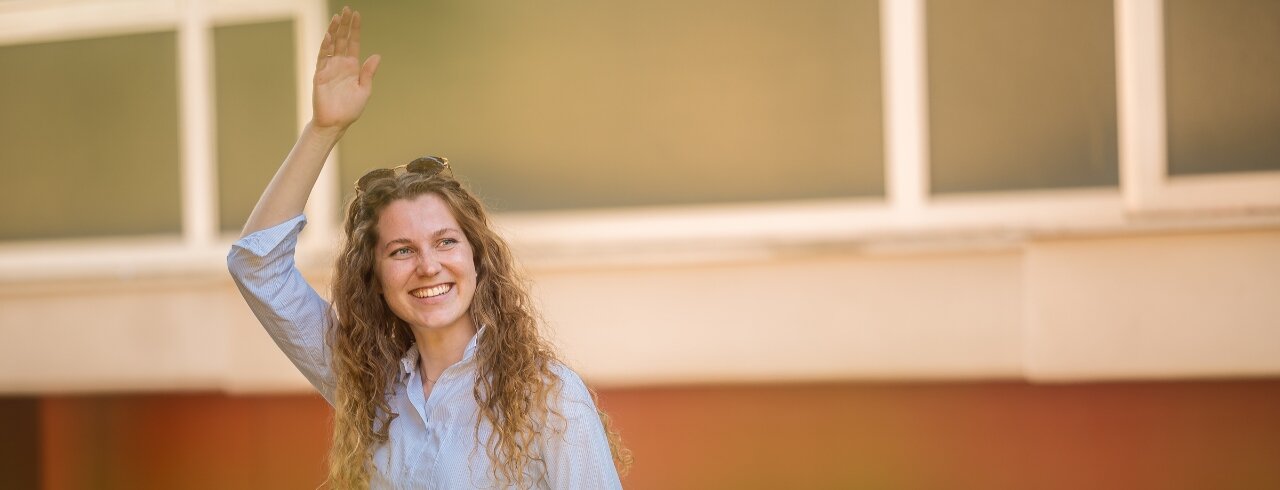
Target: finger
326,47
353,45
332,32
369,69
344,30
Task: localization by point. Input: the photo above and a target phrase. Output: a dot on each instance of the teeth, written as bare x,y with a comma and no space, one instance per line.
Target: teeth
432,291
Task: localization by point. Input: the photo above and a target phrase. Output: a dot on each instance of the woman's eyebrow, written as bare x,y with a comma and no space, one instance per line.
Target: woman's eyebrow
445,230
407,241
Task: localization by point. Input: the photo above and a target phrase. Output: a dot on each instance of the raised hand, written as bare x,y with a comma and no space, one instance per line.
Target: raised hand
341,88
342,85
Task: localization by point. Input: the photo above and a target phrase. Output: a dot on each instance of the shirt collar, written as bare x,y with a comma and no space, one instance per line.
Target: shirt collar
409,362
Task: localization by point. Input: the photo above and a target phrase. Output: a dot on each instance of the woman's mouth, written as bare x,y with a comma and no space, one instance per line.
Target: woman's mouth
433,291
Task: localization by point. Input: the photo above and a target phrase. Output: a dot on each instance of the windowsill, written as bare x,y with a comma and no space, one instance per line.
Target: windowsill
687,235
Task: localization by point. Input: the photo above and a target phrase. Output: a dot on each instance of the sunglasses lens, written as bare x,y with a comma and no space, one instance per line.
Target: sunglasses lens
428,165
375,174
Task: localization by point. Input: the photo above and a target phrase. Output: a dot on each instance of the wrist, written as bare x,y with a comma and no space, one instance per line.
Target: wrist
330,133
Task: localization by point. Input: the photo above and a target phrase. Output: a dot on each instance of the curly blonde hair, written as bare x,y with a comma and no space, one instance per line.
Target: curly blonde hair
514,376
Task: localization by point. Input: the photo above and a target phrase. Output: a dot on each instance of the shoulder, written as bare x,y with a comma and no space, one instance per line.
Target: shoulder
568,379
572,394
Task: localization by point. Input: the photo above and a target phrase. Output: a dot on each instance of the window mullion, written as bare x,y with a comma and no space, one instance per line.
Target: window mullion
196,116
905,103
322,209
1141,100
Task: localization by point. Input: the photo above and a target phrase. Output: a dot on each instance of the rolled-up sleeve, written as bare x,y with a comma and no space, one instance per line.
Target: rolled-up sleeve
297,318
576,449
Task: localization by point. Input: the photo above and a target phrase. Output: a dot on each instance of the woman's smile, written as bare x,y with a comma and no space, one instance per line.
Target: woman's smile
432,292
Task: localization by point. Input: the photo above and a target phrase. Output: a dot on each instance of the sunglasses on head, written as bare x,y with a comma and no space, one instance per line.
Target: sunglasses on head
429,165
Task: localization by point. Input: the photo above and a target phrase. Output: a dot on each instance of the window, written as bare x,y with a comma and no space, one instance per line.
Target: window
109,162
574,105
1177,153
89,138
255,98
1021,95
1223,73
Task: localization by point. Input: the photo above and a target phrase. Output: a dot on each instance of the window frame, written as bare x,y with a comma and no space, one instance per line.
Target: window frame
1149,189
201,246
907,220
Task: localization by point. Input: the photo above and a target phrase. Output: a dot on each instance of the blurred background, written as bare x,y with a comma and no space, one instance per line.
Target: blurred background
809,244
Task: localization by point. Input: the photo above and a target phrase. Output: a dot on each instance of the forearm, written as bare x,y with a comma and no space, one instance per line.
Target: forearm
286,195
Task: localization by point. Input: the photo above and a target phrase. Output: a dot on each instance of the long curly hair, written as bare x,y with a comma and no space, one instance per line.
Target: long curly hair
514,377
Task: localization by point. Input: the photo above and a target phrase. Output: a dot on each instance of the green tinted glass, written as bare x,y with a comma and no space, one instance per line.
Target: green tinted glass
89,138
257,112
1222,62
1021,94
596,104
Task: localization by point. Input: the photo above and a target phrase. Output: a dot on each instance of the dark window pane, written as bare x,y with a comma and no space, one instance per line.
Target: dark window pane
1021,94
1222,62
257,112
89,138
595,104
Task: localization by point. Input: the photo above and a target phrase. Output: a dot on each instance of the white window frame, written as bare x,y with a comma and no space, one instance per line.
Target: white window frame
907,220
201,245
1148,186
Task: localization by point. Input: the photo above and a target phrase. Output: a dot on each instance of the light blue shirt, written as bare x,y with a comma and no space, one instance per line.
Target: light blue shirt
433,441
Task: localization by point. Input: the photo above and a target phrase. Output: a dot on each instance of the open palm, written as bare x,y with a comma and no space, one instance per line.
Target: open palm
342,85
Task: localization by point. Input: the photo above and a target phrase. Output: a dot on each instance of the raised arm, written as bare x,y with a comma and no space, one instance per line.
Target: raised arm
340,90
262,261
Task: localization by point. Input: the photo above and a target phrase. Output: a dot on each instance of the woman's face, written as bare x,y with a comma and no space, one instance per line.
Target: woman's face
425,268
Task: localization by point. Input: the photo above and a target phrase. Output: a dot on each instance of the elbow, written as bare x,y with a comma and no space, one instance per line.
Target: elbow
238,265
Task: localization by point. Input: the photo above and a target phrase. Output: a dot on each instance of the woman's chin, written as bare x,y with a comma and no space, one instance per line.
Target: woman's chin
438,323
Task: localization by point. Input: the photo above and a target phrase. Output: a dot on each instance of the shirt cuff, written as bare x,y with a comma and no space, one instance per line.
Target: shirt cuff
262,242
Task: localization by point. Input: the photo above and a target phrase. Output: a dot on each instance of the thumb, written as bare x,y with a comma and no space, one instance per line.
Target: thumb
369,69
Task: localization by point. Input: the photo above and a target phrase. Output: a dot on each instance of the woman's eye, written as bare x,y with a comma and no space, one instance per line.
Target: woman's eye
448,242
400,251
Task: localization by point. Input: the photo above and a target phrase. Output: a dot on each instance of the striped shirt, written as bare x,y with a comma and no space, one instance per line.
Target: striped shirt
433,442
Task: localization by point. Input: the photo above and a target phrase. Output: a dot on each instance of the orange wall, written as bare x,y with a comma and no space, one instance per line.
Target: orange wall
1201,434
956,436
183,441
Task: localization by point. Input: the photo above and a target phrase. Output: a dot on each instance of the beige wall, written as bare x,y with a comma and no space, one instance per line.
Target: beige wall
1170,305
1190,305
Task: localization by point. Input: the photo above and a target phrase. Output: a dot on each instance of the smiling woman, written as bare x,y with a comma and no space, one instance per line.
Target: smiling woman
426,272
431,349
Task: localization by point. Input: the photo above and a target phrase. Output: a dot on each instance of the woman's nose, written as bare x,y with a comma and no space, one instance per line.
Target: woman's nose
428,265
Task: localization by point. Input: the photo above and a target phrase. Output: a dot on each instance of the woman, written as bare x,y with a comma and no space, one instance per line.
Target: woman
430,353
